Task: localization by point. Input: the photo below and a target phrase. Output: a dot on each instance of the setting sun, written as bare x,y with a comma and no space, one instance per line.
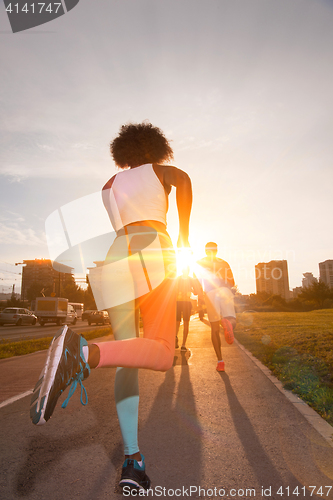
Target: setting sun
185,260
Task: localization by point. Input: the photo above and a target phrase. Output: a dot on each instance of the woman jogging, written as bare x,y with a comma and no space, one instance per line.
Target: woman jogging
140,269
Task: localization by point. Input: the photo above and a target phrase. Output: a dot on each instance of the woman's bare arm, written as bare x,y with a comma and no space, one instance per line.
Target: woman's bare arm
173,176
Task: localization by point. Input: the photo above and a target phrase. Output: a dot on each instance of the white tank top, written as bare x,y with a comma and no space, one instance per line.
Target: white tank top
135,195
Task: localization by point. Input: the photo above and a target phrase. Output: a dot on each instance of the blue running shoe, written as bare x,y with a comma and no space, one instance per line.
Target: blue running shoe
134,477
65,365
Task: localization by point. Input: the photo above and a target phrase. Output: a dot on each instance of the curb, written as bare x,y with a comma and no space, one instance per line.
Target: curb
314,419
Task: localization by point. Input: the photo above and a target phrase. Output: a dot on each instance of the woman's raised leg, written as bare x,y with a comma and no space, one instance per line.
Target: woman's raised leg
124,321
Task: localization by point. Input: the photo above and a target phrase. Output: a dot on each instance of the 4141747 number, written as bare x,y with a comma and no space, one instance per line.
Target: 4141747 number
286,491
34,8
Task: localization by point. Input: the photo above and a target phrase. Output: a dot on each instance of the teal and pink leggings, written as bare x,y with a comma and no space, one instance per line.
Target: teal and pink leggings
153,351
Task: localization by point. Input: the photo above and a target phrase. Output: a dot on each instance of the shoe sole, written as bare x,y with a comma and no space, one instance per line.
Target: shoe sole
133,484
39,403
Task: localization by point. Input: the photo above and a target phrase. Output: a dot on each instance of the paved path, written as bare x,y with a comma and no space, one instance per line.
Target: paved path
234,432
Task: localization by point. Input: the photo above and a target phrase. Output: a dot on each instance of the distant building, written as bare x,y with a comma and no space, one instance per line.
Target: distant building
41,272
272,278
326,272
308,280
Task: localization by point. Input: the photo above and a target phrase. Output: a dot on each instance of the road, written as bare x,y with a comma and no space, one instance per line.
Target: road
14,333
232,434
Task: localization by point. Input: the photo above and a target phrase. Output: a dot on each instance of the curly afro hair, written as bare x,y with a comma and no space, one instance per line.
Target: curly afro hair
140,143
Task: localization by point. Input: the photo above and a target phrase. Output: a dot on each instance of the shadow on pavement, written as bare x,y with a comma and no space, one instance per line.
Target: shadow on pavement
170,439
45,452
181,357
174,433
261,464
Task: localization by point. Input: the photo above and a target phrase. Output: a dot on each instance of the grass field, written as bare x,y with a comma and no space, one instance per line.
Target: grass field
9,349
298,348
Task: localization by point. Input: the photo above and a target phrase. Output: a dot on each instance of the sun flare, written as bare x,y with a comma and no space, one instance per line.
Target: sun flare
185,260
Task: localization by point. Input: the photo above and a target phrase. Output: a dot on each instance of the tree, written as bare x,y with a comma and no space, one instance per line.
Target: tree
89,301
257,299
13,301
38,290
73,292
318,292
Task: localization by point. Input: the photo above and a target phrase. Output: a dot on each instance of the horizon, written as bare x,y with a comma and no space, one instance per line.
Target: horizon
79,278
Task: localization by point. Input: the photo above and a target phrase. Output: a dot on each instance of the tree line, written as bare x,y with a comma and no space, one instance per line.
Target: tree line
316,296
69,290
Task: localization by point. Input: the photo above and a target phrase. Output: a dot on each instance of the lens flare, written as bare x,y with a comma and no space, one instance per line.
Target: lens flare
184,261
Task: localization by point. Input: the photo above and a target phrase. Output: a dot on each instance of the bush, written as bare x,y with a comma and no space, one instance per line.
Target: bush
328,304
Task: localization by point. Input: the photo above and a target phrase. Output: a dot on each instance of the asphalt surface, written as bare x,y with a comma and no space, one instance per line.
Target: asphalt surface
234,435
13,333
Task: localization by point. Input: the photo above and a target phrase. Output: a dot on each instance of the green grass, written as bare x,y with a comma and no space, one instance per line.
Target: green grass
298,348
9,349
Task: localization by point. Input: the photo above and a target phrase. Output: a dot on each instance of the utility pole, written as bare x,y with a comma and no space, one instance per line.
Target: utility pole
22,288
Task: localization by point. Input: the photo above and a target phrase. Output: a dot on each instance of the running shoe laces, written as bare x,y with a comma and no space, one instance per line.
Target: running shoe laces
78,380
83,371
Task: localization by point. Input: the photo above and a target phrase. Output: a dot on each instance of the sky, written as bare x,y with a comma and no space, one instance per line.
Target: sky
242,88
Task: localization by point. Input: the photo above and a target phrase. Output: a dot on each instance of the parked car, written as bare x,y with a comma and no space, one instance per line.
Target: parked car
99,317
17,316
86,314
